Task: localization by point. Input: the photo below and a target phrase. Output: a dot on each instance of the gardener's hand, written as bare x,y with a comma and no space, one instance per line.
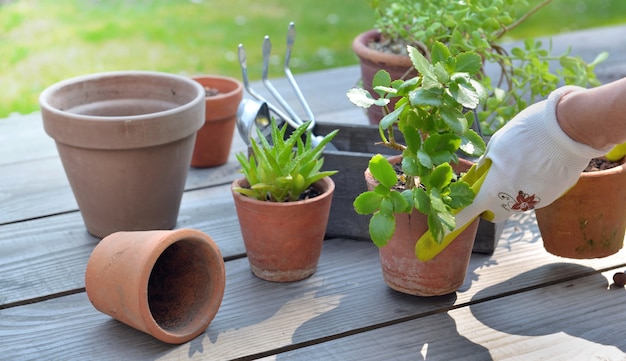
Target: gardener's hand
528,164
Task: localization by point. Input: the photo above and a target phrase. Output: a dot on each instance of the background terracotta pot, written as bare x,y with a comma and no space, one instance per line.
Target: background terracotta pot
284,240
589,221
403,272
125,140
168,284
372,61
214,139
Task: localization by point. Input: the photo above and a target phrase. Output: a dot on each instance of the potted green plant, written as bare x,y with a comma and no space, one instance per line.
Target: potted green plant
283,203
424,190
478,26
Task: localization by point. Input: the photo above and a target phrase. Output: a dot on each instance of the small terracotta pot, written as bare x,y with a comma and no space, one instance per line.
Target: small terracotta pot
372,61
589,221
214,139
284,240
121,137
403,272
168,284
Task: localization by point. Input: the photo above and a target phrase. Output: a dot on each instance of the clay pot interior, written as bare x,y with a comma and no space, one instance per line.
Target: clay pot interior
168,284
175,292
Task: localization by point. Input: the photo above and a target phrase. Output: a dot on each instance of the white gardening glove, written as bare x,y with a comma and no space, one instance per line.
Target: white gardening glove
528,164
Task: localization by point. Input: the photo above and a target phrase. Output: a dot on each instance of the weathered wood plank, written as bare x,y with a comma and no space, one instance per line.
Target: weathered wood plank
581,319
346,294
49,255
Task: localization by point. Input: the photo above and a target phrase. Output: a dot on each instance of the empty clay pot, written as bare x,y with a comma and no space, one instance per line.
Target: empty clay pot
214,139
125,140
168,284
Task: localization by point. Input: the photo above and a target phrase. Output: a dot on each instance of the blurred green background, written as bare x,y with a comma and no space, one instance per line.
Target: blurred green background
44,41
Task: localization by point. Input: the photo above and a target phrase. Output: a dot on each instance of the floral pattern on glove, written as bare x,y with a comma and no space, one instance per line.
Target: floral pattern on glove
522,203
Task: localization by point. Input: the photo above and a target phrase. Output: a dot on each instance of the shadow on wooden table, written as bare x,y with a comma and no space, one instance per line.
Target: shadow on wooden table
574,308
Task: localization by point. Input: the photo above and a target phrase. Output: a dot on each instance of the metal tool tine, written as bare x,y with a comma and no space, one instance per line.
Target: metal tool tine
293,116
291,36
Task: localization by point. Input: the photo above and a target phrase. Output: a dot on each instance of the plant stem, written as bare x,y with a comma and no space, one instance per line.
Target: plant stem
504,30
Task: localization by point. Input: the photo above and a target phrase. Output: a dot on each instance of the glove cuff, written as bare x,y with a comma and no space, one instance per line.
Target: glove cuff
554,142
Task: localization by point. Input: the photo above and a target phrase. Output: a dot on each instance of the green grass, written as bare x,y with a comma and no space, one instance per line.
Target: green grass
44,41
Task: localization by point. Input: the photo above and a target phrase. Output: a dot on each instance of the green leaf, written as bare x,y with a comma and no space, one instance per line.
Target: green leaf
441,176
423,96
383,171
424,159
454,119
464,94
421,200
391,118
439,53
400,203
381,227
421,64
472,144
461,194
468,63
360,97
381,78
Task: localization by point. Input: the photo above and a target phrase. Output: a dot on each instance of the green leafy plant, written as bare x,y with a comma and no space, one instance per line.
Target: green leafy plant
431,113
281,171
478,26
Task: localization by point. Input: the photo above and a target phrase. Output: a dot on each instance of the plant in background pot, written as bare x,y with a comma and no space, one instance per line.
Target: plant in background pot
283,203
523,74
424,190
214,139
125,139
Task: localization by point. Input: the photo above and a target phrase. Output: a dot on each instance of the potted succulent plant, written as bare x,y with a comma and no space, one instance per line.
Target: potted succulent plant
283,203
424,190
478,26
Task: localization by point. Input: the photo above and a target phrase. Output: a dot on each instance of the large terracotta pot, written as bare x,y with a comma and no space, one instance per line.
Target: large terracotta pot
215,138
403,272
284,240
168,284
398,66
589,221
125,140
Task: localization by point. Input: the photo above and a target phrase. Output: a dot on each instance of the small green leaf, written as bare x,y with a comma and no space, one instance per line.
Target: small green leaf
455,120
400,204
383,171
381,227
421,200
421,64
441,176
360,97
468,63
461,194
439,53
367,202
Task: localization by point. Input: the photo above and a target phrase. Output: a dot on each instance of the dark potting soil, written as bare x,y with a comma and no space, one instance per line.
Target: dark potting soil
597,164
211,92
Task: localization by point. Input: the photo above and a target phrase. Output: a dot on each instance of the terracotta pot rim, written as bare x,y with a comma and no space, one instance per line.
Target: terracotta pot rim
51,90
605,172
194,329
232,82
359,46
146,129
326,185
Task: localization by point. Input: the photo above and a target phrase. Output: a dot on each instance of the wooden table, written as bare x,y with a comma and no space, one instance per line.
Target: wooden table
520,303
